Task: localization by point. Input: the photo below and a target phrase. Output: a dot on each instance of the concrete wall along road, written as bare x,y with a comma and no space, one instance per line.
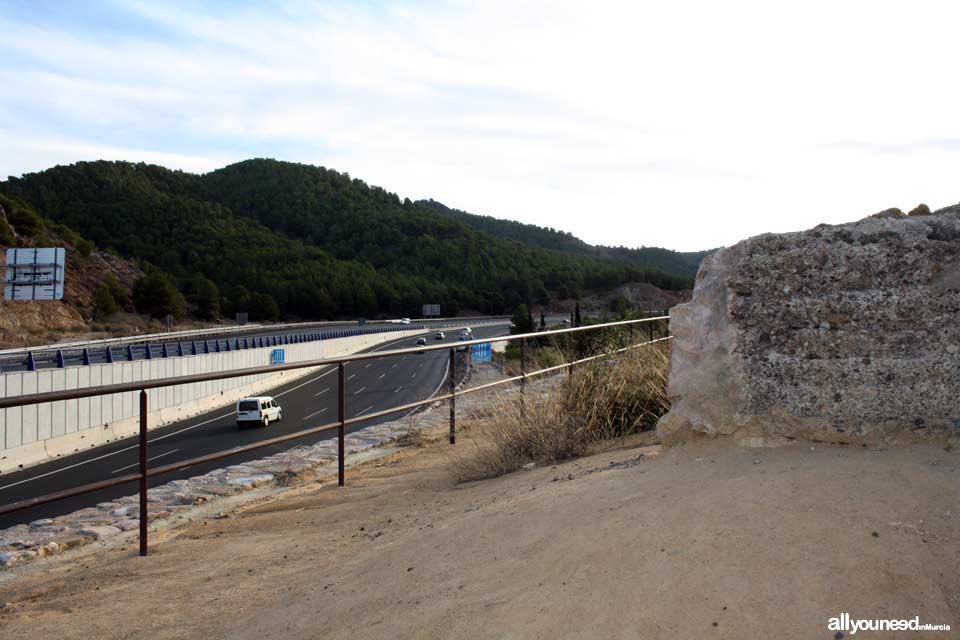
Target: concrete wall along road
33,434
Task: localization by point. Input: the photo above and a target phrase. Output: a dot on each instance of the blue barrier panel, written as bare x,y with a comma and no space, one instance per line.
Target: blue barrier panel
180,349
129,353
277,356
86,357
164,352
60,363
147,352
109,355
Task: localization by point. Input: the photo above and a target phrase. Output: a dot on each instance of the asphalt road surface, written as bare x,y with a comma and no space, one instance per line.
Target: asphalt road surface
372,385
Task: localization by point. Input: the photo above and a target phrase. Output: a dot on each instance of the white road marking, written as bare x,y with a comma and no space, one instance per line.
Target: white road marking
283,393
397,390
382,376
351,376
137,464
367,366
314,413
325,389
359,390
414,375
190,428
365,410
113,453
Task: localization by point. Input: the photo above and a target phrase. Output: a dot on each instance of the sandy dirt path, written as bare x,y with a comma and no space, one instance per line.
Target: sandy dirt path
702,541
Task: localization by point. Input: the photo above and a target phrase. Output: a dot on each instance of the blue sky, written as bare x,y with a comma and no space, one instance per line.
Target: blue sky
686,125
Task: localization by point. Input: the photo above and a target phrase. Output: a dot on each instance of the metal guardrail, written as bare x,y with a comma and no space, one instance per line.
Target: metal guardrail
145,472
174,336
155,346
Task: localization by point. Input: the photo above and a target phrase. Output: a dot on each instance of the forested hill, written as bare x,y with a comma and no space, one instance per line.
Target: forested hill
319,242
674,262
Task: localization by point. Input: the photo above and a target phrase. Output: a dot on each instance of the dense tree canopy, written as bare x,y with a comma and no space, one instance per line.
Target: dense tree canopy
282,238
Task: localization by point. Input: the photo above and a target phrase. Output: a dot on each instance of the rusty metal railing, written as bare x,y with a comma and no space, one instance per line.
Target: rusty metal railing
145,472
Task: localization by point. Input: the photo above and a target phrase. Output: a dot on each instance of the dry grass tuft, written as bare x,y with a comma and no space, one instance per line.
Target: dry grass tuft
605,399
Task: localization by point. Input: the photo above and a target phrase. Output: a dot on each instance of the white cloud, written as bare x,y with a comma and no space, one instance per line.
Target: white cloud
685,125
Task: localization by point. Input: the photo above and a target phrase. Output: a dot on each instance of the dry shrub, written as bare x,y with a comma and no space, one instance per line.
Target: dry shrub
410,438
604,399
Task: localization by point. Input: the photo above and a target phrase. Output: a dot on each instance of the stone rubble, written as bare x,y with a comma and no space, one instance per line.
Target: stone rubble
51,536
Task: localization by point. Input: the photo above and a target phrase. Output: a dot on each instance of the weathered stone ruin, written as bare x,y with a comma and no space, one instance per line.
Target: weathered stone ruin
847,333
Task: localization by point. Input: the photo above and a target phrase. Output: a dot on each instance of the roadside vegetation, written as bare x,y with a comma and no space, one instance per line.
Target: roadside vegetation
604,399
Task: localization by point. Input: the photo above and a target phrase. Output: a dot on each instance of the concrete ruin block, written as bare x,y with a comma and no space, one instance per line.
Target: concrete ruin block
847,333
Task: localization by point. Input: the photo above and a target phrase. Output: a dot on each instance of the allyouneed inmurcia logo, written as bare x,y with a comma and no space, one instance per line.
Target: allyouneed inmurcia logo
845,622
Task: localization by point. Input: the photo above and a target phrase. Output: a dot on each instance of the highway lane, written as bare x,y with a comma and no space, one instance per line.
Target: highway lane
372,386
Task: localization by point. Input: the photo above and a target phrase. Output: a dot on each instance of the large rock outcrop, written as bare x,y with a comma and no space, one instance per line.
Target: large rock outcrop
847,333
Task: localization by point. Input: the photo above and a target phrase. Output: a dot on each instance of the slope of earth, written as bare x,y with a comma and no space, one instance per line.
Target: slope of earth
27,323
701,541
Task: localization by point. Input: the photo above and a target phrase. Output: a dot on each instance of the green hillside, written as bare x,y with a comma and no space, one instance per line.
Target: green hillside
674,262
318,242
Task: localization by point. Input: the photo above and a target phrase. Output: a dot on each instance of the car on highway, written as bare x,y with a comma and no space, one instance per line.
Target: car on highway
261,410
463,347
404,320
466,331
421,341
440,335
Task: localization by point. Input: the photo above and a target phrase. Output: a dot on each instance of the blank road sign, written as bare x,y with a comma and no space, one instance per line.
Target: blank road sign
35,274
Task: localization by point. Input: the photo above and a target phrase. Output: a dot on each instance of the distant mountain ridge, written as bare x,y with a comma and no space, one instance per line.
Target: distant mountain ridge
322,244
674,262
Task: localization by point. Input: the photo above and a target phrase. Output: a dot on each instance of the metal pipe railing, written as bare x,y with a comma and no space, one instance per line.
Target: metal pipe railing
340,425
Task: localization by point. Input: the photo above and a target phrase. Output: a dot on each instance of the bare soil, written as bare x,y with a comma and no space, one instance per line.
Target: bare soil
700,541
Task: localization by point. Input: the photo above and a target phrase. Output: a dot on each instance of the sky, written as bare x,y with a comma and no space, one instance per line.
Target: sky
686,125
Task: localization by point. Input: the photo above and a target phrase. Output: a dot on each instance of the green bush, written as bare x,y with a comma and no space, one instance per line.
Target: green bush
205,298
155,294
104,304
21,216
6,234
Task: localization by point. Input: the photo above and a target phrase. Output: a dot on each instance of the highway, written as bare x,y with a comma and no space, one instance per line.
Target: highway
53,356
310,401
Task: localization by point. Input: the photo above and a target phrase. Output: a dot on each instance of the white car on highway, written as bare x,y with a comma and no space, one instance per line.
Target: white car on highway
440,335
260,410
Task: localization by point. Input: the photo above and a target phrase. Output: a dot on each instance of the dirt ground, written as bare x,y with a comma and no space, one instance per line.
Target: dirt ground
701,541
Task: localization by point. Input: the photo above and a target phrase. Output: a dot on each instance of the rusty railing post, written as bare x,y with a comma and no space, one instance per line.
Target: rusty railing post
651,330
143,472
453,396
341,416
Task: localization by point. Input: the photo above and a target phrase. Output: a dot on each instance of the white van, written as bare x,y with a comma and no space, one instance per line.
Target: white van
260,410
